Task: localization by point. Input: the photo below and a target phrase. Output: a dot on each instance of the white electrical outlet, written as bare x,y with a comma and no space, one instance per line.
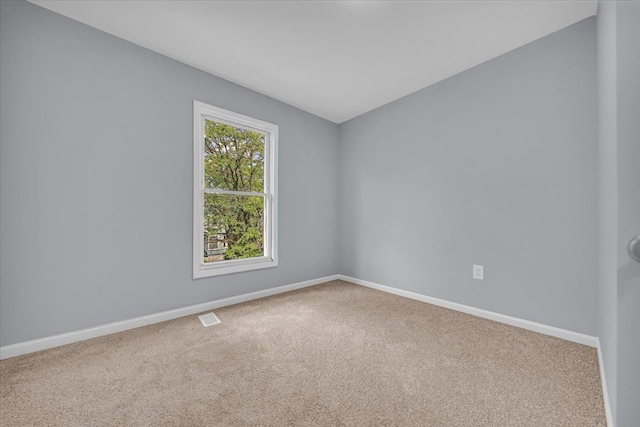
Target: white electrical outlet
478,272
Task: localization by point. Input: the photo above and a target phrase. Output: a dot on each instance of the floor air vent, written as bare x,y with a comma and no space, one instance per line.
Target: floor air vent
209,319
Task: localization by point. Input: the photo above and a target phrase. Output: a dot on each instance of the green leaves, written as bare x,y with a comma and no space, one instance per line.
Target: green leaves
234,160
237,222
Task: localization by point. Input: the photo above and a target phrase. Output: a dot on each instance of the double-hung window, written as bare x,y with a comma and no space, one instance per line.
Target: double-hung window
235,197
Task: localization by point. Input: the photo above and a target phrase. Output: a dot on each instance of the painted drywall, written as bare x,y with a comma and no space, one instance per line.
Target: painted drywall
628,153
96,179
607,194
494,166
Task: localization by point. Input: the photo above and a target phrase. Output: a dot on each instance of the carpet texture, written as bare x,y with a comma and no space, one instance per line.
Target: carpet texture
335,354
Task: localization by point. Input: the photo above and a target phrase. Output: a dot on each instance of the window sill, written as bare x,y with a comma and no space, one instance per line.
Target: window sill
230,267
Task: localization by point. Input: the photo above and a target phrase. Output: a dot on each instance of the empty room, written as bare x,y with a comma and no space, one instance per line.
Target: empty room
319,213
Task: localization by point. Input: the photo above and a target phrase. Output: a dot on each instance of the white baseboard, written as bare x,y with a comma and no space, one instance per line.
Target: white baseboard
605,389
110,328
576,337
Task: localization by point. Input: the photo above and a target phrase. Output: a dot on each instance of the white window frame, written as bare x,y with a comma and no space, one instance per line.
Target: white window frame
270,131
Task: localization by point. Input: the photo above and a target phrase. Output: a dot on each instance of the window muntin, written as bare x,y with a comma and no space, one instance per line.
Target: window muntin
234,192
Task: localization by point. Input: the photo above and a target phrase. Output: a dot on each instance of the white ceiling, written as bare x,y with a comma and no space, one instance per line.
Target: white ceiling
335,59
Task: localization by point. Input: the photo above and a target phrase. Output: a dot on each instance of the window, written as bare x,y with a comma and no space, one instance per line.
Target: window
234,199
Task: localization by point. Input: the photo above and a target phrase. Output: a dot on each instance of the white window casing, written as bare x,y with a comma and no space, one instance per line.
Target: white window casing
202,111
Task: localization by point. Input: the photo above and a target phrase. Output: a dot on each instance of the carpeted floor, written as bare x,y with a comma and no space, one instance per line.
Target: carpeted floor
335,354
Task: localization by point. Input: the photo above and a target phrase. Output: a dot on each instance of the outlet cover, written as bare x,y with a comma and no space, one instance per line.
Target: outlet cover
478,272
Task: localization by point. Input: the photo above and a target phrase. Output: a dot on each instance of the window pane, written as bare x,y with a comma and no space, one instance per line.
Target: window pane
233,227
233,158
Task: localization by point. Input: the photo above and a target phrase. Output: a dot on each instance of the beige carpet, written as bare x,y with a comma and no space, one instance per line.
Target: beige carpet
335,354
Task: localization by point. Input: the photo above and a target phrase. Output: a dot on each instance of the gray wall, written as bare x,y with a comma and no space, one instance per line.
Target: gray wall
494,166
96,179
628,68
607,194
